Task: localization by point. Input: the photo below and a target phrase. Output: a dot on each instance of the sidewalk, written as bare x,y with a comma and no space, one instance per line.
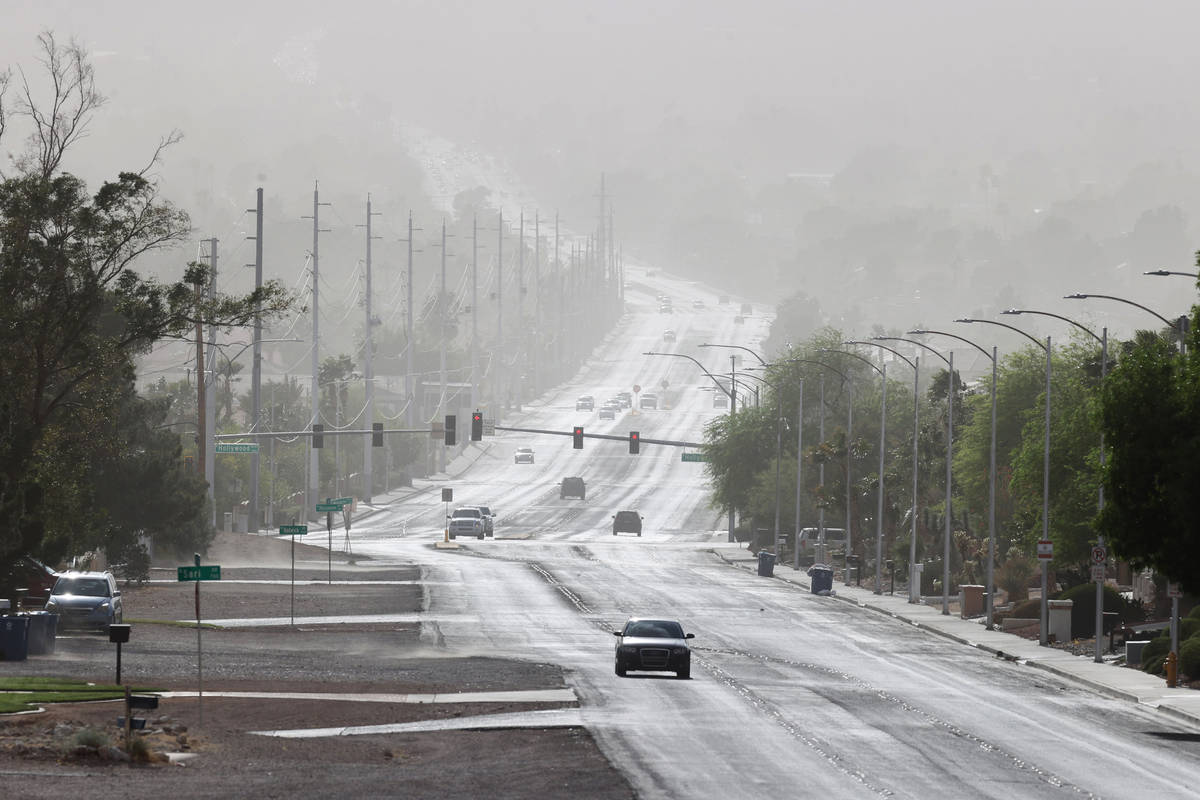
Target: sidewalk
1117,681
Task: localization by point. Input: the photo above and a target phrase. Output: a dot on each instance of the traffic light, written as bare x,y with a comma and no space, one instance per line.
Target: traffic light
318,439
376,434
578,434
635,443
451,432
476,426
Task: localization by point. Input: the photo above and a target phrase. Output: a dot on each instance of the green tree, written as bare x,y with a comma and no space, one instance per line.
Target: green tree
76,315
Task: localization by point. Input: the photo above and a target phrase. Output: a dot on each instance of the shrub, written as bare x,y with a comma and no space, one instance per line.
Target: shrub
1083,610
139,750
1189,658
1188,627
90,737
1154,666
1157,648
1013,577
1029,609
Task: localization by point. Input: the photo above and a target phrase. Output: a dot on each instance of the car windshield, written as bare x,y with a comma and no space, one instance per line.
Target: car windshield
88,587
655,629
467,512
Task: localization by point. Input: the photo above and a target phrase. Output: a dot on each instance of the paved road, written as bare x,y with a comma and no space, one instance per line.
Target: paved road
791,693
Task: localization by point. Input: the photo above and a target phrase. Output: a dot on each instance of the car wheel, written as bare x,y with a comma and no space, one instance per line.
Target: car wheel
614,531
452,536
481,535
620,670
583,497
639,533
685,673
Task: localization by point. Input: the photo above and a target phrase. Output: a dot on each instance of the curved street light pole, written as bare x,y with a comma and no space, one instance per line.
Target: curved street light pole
989,599
1175,326
1103,340
849,436
1043,634
1165,272
882,452
949,468
915,363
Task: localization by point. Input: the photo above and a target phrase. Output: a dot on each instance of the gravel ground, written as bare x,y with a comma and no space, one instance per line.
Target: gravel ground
39,757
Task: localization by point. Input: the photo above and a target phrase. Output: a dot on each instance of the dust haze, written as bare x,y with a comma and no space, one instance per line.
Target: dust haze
867,164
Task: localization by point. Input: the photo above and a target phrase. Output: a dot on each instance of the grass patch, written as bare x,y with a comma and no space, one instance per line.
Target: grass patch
27,694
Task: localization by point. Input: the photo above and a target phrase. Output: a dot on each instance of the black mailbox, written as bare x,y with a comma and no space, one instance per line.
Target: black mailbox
118,634
143,701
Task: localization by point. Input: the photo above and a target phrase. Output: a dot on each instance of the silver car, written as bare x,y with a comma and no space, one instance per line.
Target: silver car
88,600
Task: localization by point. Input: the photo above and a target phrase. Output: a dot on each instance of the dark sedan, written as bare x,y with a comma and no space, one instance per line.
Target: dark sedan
653,645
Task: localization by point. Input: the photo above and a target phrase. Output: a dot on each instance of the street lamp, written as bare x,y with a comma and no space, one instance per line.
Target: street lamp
991,565
882,452
731,391
1043,633
1165,272
1103,340
915,363
821,466
1175,326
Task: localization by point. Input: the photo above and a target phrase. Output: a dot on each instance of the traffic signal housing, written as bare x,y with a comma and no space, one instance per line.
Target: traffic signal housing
376,434
318,438
578,438
635,443
451,429
477,426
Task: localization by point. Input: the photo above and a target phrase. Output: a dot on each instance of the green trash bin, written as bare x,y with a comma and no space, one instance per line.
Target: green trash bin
14,638
43,628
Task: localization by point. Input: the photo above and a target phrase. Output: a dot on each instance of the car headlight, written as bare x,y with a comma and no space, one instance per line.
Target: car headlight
103,606
51,604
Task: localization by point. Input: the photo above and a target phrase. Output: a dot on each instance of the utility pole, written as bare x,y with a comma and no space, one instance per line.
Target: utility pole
210,390
474,310
499,359
537,304
442,302
256,367
314,467
408,335
368,369
559,283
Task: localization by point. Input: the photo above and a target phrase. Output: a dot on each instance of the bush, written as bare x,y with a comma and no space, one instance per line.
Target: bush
1083,610
1029,609
1154,666
1188,627
1013,577
90,737
1189,658
1157,648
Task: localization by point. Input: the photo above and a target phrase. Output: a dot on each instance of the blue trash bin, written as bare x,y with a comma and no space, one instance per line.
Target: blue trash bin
766,564
43,628
822,578
14,638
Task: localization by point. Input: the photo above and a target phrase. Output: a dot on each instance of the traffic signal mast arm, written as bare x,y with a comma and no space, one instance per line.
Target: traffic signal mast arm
609,436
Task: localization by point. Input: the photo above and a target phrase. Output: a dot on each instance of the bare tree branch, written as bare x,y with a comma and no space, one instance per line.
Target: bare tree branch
172,138
74,99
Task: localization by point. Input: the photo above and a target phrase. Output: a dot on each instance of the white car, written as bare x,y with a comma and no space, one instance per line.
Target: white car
467,521
524,455
648,400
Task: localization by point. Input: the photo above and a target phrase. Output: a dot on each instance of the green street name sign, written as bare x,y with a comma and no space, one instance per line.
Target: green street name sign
230,447
344,501
293,530
329,506
211,572
693,457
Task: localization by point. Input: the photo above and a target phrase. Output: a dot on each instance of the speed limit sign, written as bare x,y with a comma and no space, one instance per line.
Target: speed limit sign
1099,554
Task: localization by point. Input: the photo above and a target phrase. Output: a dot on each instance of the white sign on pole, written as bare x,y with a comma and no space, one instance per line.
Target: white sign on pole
1098,572
1173,590
1045,549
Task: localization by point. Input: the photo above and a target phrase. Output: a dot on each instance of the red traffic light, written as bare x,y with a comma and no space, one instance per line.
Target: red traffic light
577,433
635,443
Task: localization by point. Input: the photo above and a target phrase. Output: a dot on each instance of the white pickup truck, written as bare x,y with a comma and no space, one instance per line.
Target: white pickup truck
467,521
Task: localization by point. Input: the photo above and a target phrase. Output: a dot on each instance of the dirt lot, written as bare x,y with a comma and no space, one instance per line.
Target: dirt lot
40,756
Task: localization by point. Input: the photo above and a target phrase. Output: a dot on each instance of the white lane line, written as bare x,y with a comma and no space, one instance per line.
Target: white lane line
554,718
259,622
517,696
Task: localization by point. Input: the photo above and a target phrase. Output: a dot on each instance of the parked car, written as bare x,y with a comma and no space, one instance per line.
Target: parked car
467,521
585,403
648,400
626,399
524,455
572,487
87,600
653,645
30,575
668,335
489,520
627,522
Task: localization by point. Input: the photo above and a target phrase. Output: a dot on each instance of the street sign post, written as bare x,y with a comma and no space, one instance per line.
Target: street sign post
1098,572
208,572
693,457
1099,554
330,506
293,530
1045,549
231,447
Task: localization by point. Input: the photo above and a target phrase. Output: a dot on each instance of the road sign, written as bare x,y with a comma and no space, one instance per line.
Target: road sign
1045,549
210,572
345,501
489,426
636,388
1098,572
693,457
293,530
329,506
1173,590
447,495
231,447
1099,554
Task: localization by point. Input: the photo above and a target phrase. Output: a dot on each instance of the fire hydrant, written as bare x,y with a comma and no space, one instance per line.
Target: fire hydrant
1172,670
